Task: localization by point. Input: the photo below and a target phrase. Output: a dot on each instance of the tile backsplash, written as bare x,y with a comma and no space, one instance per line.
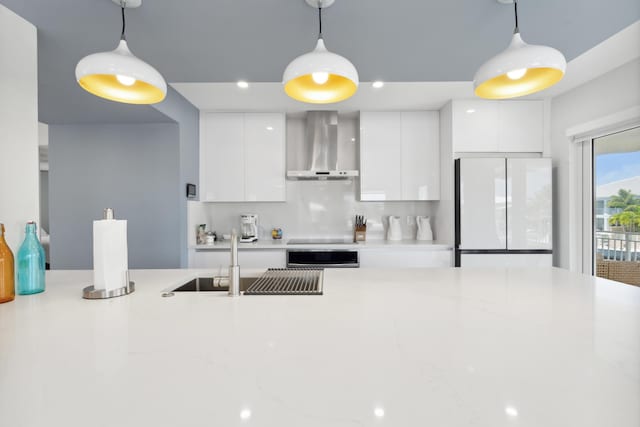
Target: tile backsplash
313,209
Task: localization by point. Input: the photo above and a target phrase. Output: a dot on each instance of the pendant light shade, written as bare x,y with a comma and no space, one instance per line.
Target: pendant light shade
521,69
120,76
320,76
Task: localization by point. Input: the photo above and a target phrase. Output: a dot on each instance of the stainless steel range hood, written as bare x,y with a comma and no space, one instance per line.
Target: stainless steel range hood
321,146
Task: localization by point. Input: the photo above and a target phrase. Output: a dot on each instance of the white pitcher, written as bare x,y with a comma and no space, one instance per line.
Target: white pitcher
394,232
424,228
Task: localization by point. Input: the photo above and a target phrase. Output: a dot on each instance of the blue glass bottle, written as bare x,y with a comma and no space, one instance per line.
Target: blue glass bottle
31,262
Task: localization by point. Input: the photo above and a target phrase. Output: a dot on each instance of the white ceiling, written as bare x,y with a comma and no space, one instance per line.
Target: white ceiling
271,97
606,56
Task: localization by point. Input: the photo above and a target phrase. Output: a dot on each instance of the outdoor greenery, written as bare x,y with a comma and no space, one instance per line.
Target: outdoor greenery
629,214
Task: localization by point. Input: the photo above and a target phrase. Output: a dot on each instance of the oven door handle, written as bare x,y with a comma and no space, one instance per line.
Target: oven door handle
345,265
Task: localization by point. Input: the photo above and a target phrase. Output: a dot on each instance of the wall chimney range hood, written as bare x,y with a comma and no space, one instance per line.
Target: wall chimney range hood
321,149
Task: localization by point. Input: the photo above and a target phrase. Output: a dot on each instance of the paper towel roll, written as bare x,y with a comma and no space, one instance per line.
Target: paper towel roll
110,254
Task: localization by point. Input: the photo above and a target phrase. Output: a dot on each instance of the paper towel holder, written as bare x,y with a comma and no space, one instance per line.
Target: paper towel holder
90,292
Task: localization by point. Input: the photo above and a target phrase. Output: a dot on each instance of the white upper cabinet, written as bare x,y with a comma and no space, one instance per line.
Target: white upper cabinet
399,156
474,126
264,139
242,157
380,156
521,126
480,126
222,157
421,155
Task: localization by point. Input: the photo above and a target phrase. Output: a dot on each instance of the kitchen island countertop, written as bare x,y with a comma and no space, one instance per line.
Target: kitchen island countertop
396,347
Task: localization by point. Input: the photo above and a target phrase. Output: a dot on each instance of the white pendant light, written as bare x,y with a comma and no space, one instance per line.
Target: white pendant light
320,76
521,69
120,76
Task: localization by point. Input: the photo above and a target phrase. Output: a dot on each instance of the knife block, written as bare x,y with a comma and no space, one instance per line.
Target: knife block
360,233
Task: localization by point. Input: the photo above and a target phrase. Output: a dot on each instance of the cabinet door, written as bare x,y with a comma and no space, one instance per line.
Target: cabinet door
475,126
483,214
262,258
222,157
380,156
529,216
404,258
421,155
218,260
506,260
264,157
521,126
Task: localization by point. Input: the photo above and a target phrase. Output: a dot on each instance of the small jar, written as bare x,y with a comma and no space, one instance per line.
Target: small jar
210,238
276,233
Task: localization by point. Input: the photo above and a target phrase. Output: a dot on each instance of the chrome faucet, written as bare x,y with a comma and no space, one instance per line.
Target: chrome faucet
234,268
233,278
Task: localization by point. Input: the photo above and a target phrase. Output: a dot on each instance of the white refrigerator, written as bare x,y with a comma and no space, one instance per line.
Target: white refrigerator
503,212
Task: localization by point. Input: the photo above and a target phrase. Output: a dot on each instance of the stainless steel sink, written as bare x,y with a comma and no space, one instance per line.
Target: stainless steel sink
207,284
275,281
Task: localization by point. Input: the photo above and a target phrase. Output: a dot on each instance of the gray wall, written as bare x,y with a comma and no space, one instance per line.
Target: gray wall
187,116
44,200
132,168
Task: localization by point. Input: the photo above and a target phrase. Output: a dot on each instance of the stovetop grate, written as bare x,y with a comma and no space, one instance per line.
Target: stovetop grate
288,281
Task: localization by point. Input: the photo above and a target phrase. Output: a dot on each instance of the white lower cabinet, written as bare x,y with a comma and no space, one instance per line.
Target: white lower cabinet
369,258
247,258
506,260
404,258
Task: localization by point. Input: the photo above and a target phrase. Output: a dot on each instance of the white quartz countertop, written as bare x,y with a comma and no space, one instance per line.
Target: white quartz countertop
370,244
415,347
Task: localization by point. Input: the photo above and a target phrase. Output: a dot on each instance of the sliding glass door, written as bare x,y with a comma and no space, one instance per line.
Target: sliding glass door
616,206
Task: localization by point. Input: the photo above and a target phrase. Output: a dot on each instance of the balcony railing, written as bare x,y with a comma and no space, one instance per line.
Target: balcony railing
617,246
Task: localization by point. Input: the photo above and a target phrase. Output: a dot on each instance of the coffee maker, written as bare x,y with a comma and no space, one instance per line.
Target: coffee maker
248,228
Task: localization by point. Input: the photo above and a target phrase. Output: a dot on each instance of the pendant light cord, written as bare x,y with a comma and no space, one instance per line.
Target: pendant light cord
515,7
123,4
320,22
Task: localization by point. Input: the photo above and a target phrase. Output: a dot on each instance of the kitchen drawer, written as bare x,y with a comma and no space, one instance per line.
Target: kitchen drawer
404,258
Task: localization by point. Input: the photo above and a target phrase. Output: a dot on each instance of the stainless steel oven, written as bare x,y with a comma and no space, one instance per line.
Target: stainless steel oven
322,258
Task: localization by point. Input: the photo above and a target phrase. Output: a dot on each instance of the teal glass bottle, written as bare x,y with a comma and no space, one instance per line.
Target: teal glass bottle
31,263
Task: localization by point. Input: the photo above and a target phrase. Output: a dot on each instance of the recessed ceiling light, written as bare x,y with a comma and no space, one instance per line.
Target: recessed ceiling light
242,84
378,412
269,127
353,140
378,84
471,111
